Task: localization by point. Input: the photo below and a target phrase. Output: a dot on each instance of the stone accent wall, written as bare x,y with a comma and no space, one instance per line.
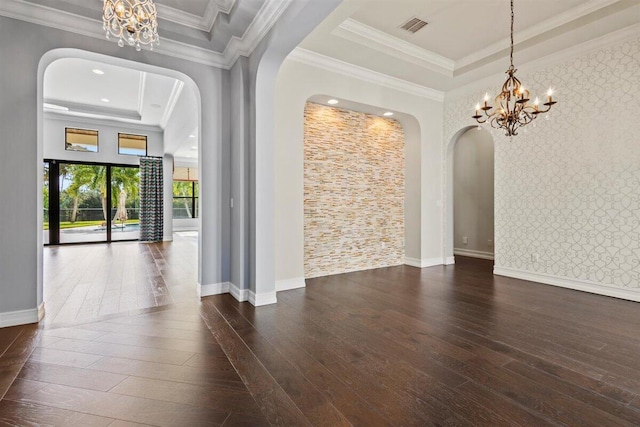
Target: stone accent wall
353,191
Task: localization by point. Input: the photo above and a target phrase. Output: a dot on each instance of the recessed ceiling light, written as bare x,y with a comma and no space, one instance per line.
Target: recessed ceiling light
98,71
105,100
332,101
192,136
388,114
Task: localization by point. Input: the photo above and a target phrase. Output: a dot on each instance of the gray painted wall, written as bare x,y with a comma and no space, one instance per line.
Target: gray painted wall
473,192
263,66
21,48
240,173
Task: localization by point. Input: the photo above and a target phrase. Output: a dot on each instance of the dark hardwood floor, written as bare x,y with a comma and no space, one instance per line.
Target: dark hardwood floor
396,346
438,346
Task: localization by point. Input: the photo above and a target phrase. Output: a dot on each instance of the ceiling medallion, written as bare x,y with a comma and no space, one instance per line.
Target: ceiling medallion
134,22
512,110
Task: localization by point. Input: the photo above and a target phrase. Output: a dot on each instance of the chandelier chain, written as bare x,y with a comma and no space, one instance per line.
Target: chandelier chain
513,17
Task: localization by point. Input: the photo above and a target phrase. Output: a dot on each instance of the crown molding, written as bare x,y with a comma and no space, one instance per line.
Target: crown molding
178,85
61,20
266,18
202,23
336,66
223,6
373,38
88,119
531,32
141,90
93,110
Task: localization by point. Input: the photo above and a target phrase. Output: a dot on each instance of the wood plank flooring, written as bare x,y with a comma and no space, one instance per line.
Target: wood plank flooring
159,368
438,346
88,282
396,346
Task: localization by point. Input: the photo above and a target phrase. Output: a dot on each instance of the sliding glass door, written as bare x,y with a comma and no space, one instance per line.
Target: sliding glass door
125,203
83,203
84,208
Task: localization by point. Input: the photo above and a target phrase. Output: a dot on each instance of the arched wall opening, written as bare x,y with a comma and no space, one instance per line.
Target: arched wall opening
193,95
421,119
469,197
361,179
294,25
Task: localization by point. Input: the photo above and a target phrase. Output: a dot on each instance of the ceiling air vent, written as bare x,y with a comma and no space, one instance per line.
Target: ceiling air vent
414,25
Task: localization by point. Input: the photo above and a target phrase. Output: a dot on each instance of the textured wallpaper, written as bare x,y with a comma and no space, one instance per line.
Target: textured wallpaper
569,188
353,191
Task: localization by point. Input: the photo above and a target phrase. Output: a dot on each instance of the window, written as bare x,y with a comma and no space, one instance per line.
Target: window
81,140
185,193
132,145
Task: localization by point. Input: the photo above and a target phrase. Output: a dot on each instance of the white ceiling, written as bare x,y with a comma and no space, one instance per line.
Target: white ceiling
71,87
457,28
133,96
465,40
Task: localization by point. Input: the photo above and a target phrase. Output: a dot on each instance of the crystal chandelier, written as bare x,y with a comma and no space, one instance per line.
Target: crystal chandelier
512,110
133,22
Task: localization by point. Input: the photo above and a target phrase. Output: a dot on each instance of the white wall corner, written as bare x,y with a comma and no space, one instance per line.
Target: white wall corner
213,289
290,284
575,284
451,260
241,295
264,298
473,254
423,263
21,317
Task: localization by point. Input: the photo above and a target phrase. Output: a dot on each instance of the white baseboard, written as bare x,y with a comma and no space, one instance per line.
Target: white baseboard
450,260
575,284
241,295
290,284
423,263
183,229
213,289
473,254
20,317
265,298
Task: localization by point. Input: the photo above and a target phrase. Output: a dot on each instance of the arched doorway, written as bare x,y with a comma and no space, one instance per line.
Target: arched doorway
161,144
469,209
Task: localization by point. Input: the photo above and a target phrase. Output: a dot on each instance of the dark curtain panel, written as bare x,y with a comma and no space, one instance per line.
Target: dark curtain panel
151,200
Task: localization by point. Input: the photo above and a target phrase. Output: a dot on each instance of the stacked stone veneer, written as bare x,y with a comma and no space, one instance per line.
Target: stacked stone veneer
353,191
